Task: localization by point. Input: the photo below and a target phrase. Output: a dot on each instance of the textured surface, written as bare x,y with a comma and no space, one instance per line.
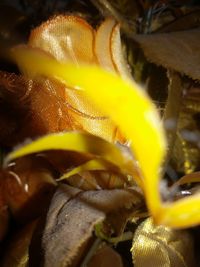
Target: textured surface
156,246
178,51
73,215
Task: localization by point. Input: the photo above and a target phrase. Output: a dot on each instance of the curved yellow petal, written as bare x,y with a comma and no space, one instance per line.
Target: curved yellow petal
182,213
126,104
130,108
107,155
92,165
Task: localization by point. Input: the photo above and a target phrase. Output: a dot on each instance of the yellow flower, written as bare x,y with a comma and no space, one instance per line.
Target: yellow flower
131,110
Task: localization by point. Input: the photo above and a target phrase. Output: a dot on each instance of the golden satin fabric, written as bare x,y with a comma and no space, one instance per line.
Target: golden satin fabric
156,246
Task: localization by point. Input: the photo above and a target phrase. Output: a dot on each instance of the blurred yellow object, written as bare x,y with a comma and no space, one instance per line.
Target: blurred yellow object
133,112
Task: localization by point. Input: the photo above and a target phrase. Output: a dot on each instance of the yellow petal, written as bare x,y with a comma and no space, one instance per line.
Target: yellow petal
126,104
131,109
92,165
81,143
182,213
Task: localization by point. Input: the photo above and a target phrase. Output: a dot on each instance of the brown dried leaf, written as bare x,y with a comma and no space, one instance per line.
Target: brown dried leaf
189,178
73,215
183,23
177,51
124,12
172,109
